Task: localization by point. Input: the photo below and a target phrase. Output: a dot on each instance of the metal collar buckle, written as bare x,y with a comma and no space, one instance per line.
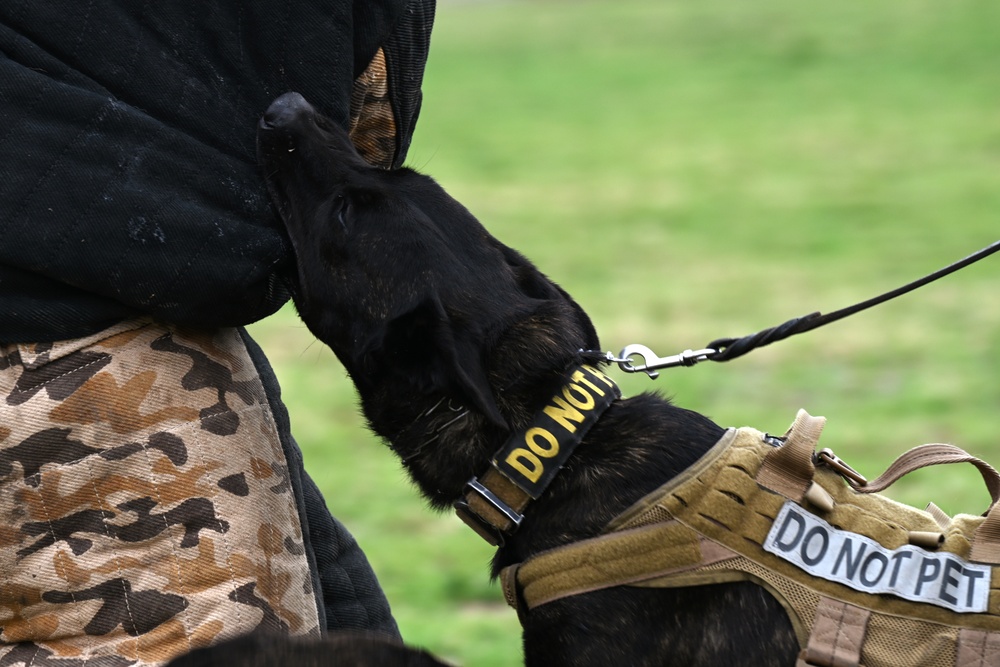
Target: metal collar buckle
487,530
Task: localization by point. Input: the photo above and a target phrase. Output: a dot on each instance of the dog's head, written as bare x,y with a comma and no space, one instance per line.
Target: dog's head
402,282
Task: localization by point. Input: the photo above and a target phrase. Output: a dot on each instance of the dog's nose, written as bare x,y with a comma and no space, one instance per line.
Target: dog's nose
284,110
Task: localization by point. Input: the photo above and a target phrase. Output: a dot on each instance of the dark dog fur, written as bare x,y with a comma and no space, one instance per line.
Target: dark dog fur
420,303
341,650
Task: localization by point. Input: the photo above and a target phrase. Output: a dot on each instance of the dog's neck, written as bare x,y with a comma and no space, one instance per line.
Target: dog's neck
636,445
443,447
427,428
443,443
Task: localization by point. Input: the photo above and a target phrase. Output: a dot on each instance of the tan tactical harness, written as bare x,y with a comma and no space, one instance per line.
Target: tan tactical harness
710,524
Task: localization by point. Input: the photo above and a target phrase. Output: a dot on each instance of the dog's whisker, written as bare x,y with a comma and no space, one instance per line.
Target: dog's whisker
431,409
438,432
447,424
421,447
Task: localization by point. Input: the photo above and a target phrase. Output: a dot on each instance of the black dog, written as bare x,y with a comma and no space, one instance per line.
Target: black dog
341,650
423,307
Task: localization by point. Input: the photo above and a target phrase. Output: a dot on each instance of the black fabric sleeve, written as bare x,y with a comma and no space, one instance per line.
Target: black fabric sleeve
406,52
129,181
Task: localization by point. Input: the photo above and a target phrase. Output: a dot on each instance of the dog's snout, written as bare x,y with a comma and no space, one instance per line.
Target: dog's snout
284,110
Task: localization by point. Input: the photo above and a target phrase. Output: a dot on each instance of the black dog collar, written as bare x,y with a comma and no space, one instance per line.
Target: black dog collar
523,468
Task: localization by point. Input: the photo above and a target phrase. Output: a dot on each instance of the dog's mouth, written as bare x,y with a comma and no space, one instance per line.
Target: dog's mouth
300,149
279,199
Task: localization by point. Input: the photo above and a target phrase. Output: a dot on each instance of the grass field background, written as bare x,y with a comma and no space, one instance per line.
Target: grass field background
690,171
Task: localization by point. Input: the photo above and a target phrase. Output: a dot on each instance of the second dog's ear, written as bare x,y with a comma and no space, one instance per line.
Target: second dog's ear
438,355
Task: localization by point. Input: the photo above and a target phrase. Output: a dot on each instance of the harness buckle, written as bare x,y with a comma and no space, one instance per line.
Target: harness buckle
489,531
831,460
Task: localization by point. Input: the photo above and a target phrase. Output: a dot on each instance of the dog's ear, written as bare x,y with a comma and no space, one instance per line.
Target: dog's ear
586,326
529,279
436,354
535,285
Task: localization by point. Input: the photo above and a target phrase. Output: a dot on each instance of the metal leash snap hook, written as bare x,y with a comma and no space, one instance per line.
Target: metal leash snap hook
648,356
652,361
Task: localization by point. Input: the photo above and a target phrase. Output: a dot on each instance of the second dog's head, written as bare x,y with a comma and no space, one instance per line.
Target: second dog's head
402,282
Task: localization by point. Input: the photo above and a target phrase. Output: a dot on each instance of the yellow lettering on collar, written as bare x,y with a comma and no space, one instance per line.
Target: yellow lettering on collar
578,376
597,374
525,463
578,397
531,437
531,457
564,414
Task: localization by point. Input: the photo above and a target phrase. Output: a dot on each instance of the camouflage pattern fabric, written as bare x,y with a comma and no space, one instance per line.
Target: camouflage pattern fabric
145,501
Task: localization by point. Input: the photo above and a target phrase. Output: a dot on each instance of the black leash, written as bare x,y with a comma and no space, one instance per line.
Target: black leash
724,349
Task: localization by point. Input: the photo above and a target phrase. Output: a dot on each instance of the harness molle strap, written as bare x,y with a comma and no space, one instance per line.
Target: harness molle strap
837,635
986,545
789,469
493,504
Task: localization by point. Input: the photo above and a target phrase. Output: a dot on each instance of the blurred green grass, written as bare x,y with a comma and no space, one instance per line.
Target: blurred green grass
690,171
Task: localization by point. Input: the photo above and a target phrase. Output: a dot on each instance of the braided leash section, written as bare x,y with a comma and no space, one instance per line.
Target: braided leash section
731,348
724,349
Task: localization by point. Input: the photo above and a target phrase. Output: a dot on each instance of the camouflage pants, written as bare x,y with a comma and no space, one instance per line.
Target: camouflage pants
146,505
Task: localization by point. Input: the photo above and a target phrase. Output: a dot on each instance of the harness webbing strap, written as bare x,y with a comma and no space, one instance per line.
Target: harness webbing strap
837,636
625,557
986,541
929,455
978,648
939,516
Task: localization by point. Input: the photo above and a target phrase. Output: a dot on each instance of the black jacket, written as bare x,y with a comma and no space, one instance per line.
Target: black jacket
129,184
128,180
